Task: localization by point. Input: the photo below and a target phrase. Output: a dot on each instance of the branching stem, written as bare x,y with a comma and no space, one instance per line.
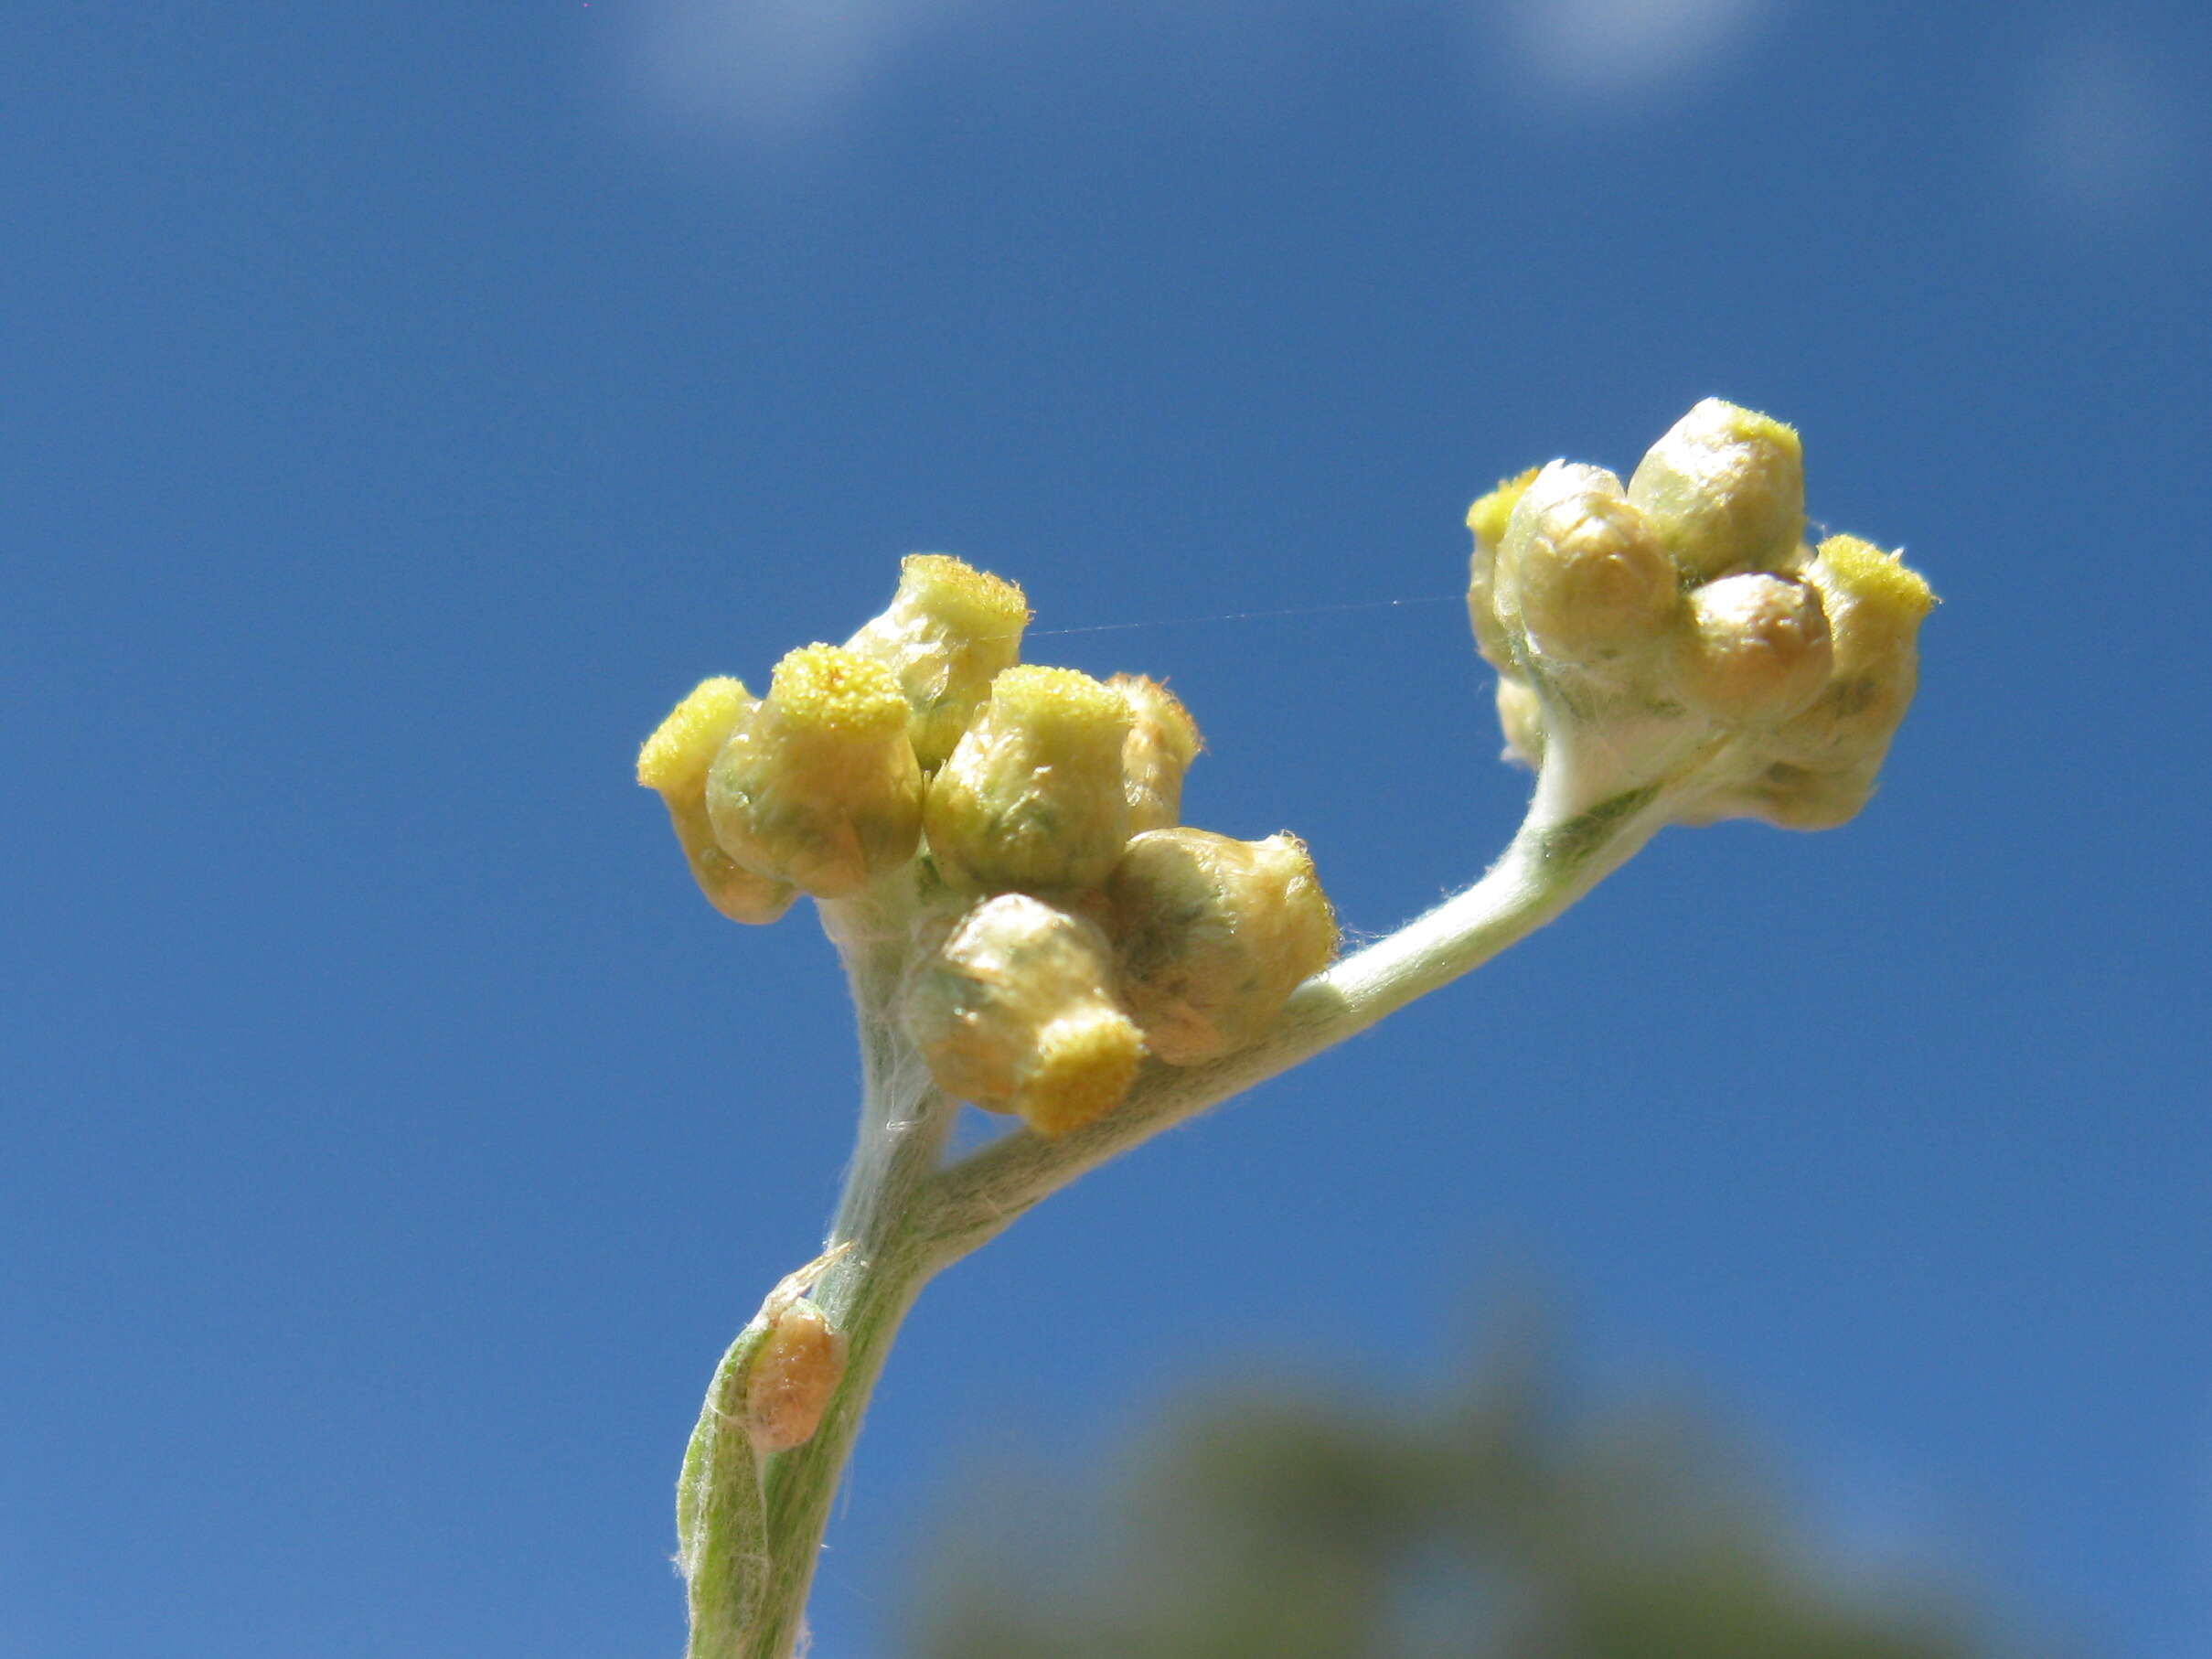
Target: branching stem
904,1216
1548,867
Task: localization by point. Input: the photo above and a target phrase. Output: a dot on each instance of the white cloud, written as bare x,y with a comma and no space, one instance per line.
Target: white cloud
774,70
2105,135
1624,47
771,68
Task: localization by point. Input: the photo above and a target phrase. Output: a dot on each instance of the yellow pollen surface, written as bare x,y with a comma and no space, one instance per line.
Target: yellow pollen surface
826,688
1873,577
677,755
972,601
1062,699
1488,515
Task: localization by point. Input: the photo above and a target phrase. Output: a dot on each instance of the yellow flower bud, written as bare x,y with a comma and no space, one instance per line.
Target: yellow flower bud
674,762
1490,515
1488,519
1885,595
1085,1061
1032,796
819,785
1214,935
792,1376
1584,572
676,757
1015,1011
1876,606
1725,490
1828,757
1162,742
1754,647
950,630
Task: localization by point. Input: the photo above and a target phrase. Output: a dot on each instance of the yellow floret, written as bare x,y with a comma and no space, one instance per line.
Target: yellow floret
972,602
826,688
1161,720
676,757
1213,934
950,630
1488,515
1582,568
1014,1011
1032,797
1163,741
1083,1067
819,787
1059,703
1724,488
1756,648
1879,580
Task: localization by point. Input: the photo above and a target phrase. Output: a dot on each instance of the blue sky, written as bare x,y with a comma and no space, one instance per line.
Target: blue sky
406,403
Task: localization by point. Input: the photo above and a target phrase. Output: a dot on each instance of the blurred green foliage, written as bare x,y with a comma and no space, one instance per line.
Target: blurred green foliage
1266,1523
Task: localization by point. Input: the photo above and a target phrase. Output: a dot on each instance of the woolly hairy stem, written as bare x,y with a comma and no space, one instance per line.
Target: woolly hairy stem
904,1218
885,1214
1551,863
802,1482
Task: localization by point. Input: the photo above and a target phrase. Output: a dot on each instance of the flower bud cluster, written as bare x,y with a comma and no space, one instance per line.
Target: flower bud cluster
1071,925
1680,620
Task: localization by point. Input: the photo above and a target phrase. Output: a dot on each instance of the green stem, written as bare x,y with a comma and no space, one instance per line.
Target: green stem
886,1215
802,1482
904,1217
1550,864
